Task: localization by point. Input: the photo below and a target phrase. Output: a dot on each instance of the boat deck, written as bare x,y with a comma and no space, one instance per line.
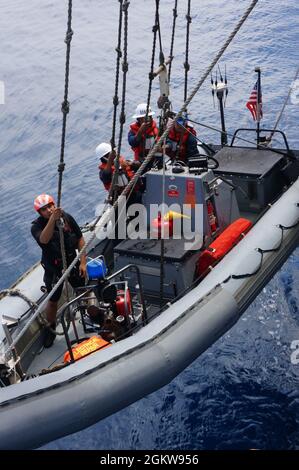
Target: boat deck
46,358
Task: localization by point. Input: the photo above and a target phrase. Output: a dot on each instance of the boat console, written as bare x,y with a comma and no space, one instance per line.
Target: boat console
198,201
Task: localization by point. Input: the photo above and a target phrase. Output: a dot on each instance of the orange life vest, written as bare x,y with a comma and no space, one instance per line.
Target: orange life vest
181,140
140,152
128,172
88,346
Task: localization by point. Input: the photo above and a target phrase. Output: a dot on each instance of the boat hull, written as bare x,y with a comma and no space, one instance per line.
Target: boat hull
51,406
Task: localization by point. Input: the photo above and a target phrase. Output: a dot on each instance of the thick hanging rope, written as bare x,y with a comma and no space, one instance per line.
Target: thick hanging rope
151,74
122,117
161,55
175,15
106,217
65,107
118,57
186,63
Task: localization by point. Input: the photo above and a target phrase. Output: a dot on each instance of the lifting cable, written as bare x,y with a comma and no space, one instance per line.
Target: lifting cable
118,57
155,29
106,216
186,63
102,220
113,193
65,107
175,15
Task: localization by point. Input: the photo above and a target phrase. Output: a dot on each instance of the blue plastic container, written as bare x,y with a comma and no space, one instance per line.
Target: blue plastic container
96,269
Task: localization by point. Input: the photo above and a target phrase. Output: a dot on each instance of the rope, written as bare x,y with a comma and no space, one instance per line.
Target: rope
65,107
161,55
18,293
262,252
151,74
105,218
125,67
118,57
122,117
175,15
162,228
186,64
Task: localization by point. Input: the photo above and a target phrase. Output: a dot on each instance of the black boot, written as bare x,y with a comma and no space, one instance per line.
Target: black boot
49,336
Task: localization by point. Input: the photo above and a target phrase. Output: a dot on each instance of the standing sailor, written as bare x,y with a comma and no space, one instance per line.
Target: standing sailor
46,233
143,132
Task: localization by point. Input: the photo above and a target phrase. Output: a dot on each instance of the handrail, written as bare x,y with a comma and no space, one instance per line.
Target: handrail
262,146
135,267
65,308
61,314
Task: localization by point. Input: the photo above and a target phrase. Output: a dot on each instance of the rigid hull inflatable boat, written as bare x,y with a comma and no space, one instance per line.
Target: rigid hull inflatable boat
152,304
131,330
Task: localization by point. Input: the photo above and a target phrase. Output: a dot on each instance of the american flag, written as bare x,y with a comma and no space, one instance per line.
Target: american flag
252,103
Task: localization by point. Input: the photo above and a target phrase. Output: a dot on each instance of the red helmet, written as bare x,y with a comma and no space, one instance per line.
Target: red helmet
42,200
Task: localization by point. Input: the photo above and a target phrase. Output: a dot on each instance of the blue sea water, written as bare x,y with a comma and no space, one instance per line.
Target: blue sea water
243,392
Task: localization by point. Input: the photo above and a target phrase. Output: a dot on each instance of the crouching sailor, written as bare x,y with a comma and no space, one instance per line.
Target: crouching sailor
181,143
127,169
46,232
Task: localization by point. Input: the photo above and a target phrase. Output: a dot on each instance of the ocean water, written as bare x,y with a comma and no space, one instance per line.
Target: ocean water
243,392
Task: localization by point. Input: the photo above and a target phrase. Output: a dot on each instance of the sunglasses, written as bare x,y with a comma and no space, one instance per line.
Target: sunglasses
47,206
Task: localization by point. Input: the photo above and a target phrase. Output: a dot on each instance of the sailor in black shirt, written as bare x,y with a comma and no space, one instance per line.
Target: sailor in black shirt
45,231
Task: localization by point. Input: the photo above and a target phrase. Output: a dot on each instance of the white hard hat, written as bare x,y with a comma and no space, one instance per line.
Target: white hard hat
102,150
141,111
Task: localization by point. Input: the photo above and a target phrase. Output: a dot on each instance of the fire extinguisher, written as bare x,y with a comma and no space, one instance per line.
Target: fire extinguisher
212,216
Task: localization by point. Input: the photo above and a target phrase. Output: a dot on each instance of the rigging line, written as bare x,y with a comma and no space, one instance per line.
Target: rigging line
65,107
105,218
118,57
175,14
161,57
156,146
151,74
122,117
284,106
220,131
186,63
162,229
262,147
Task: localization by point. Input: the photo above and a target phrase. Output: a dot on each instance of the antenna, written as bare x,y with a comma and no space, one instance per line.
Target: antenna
221,89
213,88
